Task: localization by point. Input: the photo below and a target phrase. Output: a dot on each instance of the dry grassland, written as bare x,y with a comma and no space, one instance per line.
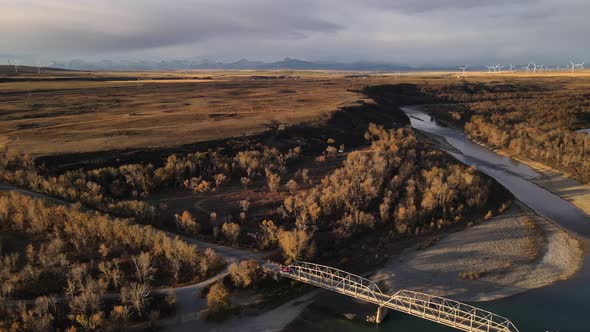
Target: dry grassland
60,112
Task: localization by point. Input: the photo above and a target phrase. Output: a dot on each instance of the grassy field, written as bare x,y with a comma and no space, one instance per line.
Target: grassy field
53,117
59,112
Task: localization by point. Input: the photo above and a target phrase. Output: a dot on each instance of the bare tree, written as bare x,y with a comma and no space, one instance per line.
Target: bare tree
137,296
111,272
144,270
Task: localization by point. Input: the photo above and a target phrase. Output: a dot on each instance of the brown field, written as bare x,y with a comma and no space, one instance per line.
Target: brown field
82,116
60,112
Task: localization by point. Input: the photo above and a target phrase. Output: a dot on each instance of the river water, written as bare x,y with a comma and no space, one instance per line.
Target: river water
563,306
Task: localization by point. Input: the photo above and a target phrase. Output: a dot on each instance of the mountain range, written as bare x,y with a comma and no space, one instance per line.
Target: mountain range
286,63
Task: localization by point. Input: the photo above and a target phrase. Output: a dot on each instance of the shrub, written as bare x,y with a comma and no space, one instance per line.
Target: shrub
202,187
331,151
529,222
471,275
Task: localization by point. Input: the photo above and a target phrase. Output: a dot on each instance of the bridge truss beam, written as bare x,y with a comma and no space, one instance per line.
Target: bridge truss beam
441,310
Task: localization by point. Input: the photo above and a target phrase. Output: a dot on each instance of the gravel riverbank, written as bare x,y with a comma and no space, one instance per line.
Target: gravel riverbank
504,256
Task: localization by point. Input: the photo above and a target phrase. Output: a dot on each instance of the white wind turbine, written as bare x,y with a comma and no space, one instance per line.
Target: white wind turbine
511,67
573,66
463,69
580,65
15,65
490,68
527,67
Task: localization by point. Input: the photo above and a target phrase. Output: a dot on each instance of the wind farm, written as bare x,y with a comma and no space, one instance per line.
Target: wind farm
531,67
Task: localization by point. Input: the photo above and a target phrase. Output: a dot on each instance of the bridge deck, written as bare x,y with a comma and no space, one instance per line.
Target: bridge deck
441,310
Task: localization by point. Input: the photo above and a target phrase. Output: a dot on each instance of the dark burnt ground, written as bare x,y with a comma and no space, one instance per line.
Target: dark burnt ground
347,126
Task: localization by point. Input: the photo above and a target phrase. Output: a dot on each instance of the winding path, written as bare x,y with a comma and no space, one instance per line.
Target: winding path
189,303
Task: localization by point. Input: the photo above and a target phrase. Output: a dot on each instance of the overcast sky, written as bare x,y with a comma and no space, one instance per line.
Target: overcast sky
413,32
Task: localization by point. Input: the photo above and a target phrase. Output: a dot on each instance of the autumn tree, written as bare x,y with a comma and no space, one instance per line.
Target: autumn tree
219,180
269,234
231,232
305,176
144,270
296,244
209,261
291,186
186,223
245,182
218,300
244,205
273,181
244,273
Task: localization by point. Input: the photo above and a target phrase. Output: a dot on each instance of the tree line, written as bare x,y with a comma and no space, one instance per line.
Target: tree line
122,190
536,122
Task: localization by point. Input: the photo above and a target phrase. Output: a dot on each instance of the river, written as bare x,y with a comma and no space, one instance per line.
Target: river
561,307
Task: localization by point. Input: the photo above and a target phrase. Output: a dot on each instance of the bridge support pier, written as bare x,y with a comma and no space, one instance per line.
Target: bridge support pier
381,314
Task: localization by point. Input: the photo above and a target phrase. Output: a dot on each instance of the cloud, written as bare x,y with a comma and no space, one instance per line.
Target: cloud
127,25
414,32
425,6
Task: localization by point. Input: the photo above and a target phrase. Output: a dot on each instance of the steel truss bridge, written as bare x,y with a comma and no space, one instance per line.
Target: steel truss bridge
441,310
